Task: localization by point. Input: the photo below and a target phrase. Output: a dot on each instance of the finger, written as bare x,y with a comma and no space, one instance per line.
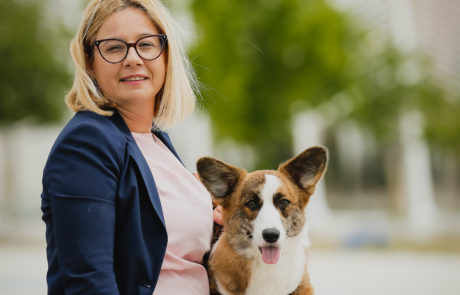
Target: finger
217,215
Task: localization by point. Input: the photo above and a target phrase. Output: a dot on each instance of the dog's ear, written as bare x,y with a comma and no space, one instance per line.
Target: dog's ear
218,177
306,169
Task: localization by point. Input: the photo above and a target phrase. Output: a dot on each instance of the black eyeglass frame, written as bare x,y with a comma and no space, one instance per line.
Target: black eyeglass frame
129,45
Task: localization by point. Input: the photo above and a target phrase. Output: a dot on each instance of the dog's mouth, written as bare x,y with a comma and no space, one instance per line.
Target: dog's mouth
270,254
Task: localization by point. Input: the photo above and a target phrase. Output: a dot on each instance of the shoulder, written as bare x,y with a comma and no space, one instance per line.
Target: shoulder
89,146
90,127
89,133
94,124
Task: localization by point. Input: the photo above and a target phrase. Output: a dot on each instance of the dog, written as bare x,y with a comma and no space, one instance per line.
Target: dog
263,247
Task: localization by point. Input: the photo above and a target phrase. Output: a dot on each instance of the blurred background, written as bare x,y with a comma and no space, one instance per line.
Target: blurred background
375,81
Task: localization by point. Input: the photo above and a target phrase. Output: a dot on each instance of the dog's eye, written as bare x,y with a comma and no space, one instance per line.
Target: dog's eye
252,204
284,203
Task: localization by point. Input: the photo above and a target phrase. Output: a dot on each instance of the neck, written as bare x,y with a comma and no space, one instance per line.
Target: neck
137,120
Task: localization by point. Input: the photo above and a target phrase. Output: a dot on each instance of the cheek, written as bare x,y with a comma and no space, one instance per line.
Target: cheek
158,69
240,229
295,220
105,74
250,214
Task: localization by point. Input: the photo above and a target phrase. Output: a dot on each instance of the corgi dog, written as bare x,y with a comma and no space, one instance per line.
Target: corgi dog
263,247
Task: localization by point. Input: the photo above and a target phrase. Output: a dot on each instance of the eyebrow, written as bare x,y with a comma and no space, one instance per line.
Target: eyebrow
139,36
146,34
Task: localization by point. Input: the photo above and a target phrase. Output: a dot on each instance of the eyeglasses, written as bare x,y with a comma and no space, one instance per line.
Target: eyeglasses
115,50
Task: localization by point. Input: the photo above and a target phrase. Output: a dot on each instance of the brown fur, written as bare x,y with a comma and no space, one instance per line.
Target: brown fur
237,269
305,287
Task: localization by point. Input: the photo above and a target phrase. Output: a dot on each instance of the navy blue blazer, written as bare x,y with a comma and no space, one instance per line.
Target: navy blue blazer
105,230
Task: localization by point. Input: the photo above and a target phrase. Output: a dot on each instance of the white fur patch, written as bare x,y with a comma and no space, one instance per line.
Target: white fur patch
293,260
288,271
269,216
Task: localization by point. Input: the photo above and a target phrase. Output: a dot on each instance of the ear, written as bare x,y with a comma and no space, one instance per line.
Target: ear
218,177
89,61
306,169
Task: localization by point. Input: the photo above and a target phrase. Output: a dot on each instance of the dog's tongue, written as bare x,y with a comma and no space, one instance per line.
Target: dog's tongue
270,255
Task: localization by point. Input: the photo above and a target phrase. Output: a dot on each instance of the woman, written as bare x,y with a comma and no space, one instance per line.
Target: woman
122,214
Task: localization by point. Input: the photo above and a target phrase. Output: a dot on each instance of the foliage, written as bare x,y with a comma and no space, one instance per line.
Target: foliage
442,120
261,62
259,59
32,80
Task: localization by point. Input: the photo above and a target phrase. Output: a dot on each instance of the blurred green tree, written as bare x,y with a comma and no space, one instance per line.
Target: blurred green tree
264,60
32,80
261,62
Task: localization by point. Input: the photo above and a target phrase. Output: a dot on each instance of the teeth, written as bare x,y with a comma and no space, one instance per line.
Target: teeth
135,79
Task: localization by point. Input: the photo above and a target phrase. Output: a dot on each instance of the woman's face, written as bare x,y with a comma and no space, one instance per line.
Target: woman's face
134,82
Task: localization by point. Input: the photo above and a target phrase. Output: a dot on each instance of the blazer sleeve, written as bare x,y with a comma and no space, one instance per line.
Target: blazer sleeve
80,181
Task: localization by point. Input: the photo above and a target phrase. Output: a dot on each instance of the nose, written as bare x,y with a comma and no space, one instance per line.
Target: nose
132,56
271,235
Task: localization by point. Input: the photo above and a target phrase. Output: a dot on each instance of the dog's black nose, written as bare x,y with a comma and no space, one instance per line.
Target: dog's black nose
271,235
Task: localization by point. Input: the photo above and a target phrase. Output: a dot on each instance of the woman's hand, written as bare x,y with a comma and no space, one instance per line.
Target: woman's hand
217,214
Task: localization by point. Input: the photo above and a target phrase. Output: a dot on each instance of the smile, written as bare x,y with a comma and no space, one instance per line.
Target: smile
133,79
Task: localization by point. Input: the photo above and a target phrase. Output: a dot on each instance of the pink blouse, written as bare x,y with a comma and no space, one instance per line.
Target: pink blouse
187,209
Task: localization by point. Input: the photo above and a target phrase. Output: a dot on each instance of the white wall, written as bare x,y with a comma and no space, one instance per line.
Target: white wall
29,146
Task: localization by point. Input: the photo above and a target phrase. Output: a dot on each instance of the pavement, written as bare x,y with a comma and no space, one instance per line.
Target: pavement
333,272
359,272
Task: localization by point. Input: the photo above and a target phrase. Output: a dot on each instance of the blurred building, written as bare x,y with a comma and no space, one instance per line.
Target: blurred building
423,193
431,26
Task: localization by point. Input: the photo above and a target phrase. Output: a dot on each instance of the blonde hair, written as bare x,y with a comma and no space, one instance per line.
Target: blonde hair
174,101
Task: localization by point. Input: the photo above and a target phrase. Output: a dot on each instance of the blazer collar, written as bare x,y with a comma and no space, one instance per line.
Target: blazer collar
163,136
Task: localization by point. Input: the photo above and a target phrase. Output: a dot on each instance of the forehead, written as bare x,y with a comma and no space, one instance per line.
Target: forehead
262,181
128,24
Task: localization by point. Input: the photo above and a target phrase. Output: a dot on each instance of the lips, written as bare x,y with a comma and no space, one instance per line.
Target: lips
133,78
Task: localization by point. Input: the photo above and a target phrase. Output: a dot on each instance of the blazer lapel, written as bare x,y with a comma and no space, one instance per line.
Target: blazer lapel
137,156
147,176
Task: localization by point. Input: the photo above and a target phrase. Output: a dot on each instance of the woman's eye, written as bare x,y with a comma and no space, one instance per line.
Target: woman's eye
146,45
114,48
284,203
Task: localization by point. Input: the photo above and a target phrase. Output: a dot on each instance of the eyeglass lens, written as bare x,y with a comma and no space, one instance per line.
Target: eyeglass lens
115,51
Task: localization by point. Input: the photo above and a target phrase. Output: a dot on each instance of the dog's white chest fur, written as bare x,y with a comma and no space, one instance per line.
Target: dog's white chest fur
284,276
